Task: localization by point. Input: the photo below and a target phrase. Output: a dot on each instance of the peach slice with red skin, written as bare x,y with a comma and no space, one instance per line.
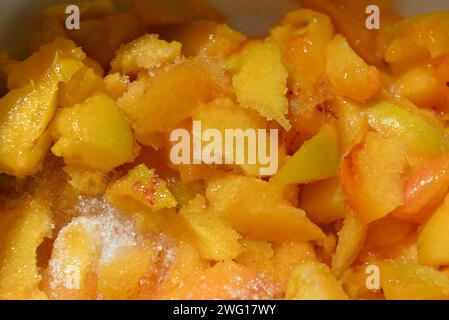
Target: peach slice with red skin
425,190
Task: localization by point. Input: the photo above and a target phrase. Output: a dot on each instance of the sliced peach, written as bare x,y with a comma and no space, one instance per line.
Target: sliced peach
433,248
424,190
224,281
317,159
411,281
259,210
372,176
314,281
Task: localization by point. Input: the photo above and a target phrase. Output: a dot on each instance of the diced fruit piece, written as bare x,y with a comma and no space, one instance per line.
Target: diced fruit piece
88,10
93,135
351,238
260,82
348,73
421,86
224,281
25,114
408,40
314,281
100,38
23,230
156,13
140,187
288,255
372,176
256,254
213,238
423,140
349,18
154,107
205,37
116,85
410,281
303,37
87,182
120,278
425,190
54,62
223,115
144,53
352,124
317,159
433,241
259,210
324,201
84,84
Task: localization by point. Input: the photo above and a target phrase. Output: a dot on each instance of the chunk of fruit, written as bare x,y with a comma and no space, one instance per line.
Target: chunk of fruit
410,38
223,115
153,107
84,84
256,255
93,135
224,281
421,86
23,230
303,37
324,201
423,140
314,281
260,82
259,210
425,190
140,186
433,248
144,53
348,73
351,238
100,38
155,13
287,256
410,281
372,176
352,124
213,238
317,159
205,37
26,112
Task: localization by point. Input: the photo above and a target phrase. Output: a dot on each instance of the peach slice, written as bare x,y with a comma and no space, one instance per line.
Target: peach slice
372,177
424,190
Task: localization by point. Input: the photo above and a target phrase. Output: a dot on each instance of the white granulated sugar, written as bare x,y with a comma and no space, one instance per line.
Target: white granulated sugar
109,230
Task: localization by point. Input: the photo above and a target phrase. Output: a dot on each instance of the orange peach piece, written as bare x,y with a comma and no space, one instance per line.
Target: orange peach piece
314,281
140,187
372,176
224,281
424,190
257,255
349,74
258,209
84,84
287,255
152,106
23,230
212,237
433,248
351,238
411,281
303,37
324,201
